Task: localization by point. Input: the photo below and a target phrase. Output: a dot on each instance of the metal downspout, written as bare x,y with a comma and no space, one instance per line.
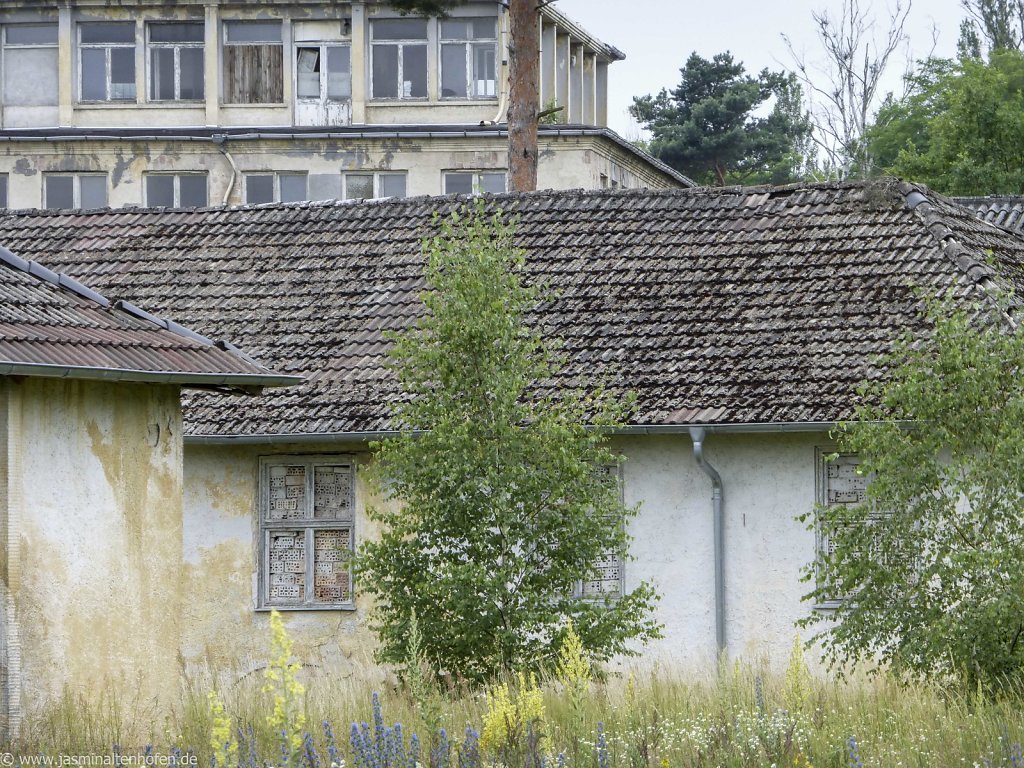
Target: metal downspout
697,435
220,141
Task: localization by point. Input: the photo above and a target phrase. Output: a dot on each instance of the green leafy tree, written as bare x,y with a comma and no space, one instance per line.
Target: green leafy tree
961,130
1000,23
500,509
930,563
706,128
523,80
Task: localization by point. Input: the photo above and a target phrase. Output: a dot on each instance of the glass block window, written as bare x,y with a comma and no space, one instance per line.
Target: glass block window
840,486
608,580
307,513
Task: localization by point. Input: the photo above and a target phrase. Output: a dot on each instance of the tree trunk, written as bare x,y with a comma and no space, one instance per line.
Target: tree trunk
524,94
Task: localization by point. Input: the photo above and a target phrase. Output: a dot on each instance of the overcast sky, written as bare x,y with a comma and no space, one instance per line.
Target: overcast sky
658,35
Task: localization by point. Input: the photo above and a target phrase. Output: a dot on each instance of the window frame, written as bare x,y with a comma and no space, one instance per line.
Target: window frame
580,591
6,46
5,192
176,47
308,525
477,176
76,189
108,56
469,46
176,176
377,184
401,44
324,74
277,186
225,27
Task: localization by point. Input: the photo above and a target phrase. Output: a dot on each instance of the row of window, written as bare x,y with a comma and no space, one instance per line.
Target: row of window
307,535
253,58
187,190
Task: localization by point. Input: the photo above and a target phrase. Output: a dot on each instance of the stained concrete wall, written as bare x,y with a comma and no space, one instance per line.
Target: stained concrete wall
768,480
566,162
92,531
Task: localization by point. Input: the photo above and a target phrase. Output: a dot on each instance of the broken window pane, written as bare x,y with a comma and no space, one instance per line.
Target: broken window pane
160,191
59,192
339,73
30,77
112,32
259,188
93,191
293,187
193,191
453,71
358,186
307,65
94,74
31,34
392,185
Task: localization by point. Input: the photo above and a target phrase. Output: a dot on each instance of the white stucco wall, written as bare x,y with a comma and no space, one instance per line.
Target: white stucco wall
767,481
91,512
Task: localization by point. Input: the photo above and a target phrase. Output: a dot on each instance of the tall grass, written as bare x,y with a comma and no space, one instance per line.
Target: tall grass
744,717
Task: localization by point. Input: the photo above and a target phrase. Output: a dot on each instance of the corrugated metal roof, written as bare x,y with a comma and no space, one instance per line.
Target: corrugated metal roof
51,325
739,305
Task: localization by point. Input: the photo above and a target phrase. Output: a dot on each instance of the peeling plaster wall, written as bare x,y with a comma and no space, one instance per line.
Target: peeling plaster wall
569,162
223,630
93,551
768,480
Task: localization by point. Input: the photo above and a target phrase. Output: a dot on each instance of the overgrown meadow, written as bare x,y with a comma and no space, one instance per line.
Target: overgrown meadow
743,716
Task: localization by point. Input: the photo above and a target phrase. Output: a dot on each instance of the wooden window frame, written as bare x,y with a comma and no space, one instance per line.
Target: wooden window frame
401,44
107,48
377,183
308,525
273,91
469,45
477,177
76,177
177,47
176,176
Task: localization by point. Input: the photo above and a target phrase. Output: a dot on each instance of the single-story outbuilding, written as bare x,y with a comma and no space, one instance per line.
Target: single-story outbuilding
91,490
742,318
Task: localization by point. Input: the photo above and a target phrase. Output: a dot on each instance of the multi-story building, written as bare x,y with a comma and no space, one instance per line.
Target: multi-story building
202,102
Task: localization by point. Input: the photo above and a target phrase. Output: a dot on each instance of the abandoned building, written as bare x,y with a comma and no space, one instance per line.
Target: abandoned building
742,319
198,103
91,493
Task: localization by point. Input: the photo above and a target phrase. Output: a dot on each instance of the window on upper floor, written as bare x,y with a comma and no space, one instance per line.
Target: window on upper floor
74,190
323,72
30,65
106,61
176,190
307,516
275,187
175,61
398,58
361,186
253,62
469,52
473,182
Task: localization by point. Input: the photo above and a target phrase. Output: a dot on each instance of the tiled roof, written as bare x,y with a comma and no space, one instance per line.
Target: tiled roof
730,305
1005,211
51,325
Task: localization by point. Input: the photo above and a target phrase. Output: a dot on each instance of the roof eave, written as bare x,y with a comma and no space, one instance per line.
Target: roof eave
244,382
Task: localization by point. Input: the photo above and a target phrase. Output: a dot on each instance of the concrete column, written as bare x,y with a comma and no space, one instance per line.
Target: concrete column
433,53
548,67
601,93
211,65
65,70
360,58
288,70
